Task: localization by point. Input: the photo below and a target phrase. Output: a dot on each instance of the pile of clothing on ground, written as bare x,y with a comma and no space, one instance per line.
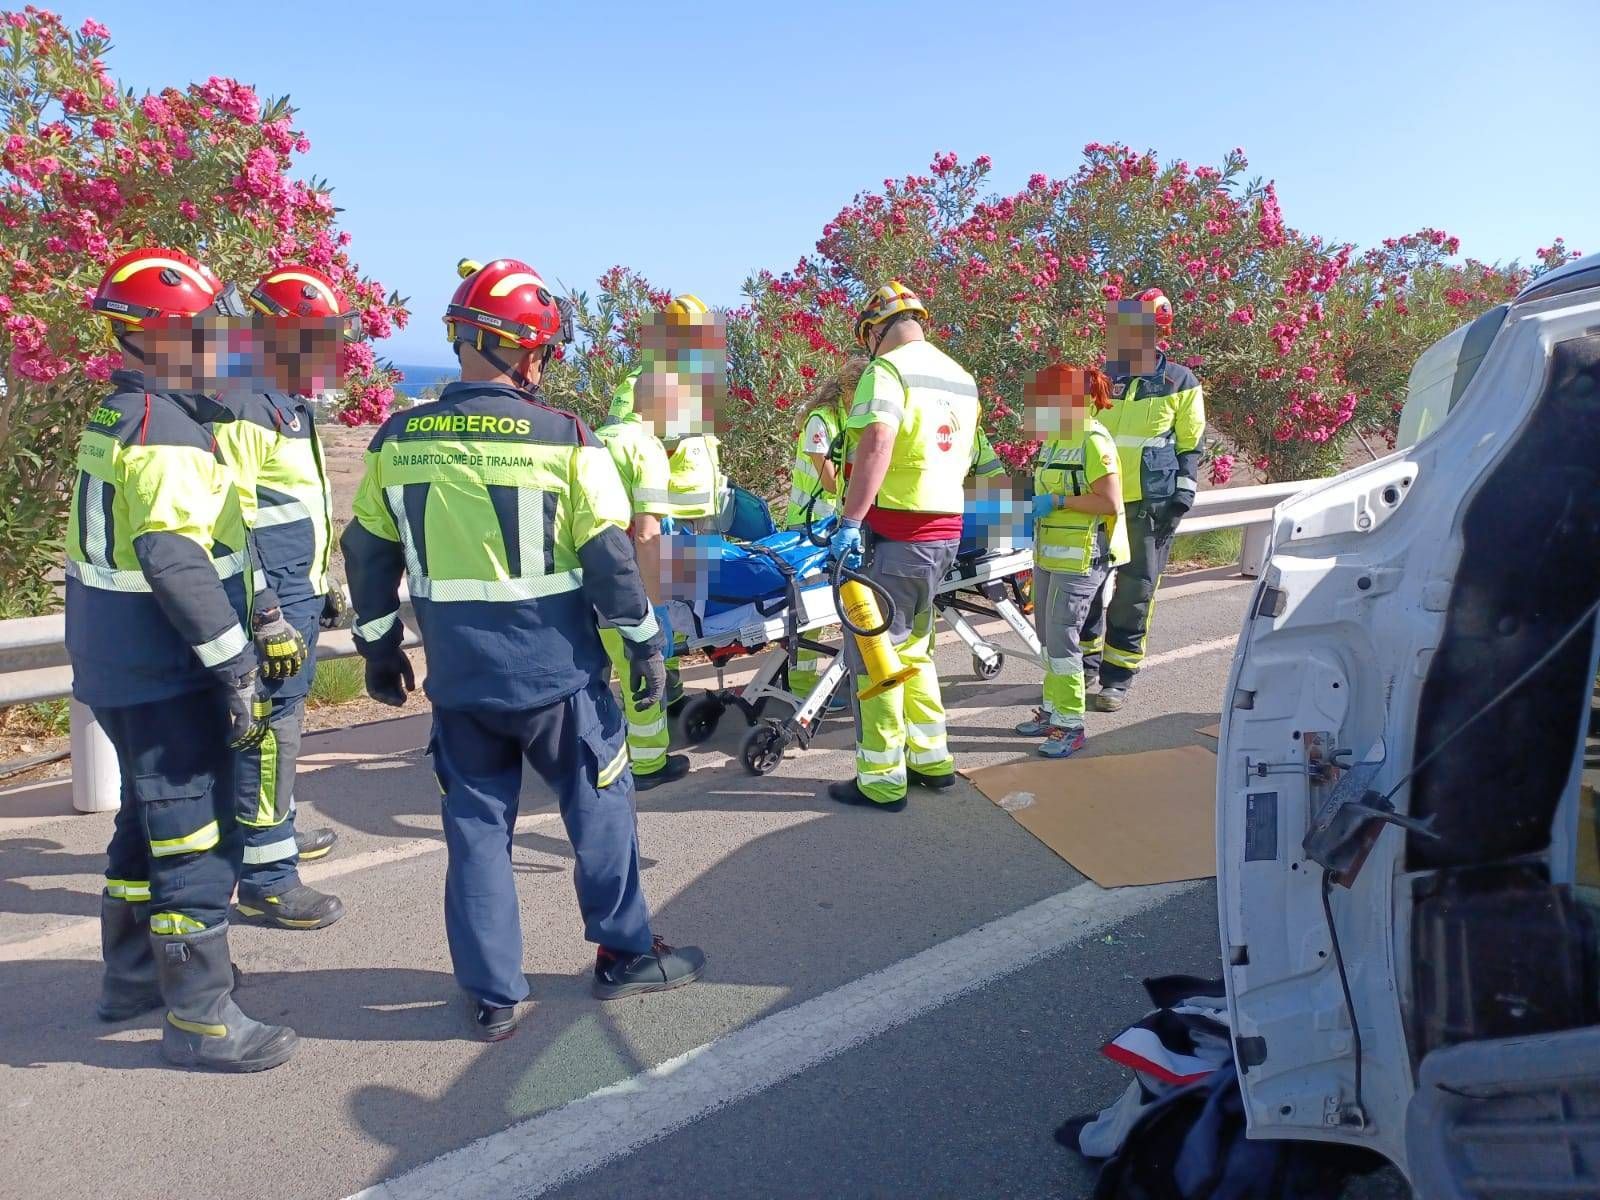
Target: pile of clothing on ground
1178,1132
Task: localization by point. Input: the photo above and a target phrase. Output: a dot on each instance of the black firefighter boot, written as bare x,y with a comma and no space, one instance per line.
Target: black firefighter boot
129,985
204,1027
295,907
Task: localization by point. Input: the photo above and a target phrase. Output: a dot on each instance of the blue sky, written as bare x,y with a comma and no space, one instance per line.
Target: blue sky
696,142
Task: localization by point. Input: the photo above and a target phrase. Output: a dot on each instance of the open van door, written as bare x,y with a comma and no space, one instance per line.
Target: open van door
1408,880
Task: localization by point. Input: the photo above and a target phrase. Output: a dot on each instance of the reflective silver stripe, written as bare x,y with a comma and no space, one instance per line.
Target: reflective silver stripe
268,515
107,580
1128,439
94,523
898,775
937,383
1065,553
371,631
396,495
651,496
650,729
933,731
230,565
991,464
448,591
530,531
271,852
1186,485
643,631
689,497
220,649
886,758
923,758
880,404
1064,666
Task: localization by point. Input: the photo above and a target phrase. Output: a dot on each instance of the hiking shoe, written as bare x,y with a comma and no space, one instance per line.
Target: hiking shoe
934,783
312,844
1062,743
618,974
676,767
299,907
1109,698
495,1023
847,792
1038,725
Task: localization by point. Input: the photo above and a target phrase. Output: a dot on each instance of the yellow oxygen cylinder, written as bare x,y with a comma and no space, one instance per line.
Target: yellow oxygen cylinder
882,661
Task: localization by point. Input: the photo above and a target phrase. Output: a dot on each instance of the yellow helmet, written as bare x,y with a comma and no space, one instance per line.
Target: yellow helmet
687,309
467,266
892,299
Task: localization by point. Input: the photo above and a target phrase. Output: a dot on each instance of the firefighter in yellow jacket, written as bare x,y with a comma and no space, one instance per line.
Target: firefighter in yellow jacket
1158,419
912,428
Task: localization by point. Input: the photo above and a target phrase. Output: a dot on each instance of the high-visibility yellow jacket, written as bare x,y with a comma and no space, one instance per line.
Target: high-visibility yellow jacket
159,577
509,521
276,457
1159,423
931,404
1065,539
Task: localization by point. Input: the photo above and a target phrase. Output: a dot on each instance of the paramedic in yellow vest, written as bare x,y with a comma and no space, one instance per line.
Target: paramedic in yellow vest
816,485
911,428
641,460
1078,535
685,349
1158,418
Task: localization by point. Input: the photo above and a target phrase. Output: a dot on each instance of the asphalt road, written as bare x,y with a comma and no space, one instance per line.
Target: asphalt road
896,1004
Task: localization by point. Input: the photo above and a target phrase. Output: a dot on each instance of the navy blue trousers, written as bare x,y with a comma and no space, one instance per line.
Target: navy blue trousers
266,773
175,838
579,748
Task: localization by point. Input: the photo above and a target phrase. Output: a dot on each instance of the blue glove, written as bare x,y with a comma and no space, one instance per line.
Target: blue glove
668,525
846,543
1043,504
665,621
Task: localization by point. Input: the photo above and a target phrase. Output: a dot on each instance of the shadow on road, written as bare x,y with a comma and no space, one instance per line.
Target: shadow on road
800,897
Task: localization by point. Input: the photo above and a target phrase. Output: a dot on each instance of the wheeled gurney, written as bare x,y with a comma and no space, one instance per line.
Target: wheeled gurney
776,626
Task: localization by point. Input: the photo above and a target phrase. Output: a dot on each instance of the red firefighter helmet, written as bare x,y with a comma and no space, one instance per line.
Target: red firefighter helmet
1163,306
509,300
152,284
295,290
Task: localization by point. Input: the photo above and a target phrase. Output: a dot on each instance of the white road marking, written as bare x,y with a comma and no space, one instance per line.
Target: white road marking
536,1155
1194,651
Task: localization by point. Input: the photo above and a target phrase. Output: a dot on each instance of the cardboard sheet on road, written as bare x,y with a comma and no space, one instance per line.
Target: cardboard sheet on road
1121,819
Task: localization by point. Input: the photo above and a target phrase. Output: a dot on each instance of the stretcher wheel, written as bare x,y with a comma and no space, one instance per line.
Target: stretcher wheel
763,748
988,670
700,719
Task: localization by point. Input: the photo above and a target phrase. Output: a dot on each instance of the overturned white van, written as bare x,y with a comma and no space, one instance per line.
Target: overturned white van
1409,882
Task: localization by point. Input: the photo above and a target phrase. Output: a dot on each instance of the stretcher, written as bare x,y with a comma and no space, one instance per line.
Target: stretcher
982,583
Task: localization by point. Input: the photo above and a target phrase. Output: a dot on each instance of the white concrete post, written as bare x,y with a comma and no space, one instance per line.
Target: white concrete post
1253,550
96,778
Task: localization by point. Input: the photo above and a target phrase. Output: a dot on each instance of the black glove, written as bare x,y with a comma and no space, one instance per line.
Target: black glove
1164,521
389,677
281,648
647,679
334,608
248,711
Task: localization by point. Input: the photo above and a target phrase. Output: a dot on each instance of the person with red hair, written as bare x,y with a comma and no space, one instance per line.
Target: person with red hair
1078,536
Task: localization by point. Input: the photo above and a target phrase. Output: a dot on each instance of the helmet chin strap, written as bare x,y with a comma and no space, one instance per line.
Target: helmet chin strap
127,347
518,376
